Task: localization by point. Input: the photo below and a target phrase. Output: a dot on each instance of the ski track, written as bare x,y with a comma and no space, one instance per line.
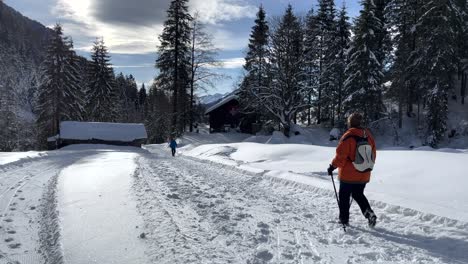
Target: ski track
201,212
24,186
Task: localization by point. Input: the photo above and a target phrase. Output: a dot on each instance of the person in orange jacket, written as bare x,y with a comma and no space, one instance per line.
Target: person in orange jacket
353,176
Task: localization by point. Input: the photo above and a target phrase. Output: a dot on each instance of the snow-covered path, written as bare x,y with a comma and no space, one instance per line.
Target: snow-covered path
23,191
199,212
98,217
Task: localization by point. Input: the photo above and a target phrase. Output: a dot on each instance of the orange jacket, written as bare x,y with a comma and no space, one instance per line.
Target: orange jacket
346,154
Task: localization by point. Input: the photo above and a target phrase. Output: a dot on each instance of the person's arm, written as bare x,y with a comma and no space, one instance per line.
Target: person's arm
342,154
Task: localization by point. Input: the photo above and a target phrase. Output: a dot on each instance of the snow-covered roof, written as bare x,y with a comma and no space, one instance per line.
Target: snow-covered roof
224,101
103,131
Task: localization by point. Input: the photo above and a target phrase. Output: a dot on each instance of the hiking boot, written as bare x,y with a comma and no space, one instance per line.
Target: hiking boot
344,221
371,217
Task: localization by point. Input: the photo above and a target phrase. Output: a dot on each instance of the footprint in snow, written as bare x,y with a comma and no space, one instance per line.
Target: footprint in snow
264,255
8,220
14,246
8,240
173,196
11,232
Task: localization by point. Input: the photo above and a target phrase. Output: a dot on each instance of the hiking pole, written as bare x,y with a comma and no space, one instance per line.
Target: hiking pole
337,200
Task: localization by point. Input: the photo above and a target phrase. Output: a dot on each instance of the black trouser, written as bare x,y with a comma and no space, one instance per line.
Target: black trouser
357,191
173,151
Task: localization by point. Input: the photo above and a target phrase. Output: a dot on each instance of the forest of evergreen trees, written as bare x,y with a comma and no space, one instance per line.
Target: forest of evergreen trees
397,58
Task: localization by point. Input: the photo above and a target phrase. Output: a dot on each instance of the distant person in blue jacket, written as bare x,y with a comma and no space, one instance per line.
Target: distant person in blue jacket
173,146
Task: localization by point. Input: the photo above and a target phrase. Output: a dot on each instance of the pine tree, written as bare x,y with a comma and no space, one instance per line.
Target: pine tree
363,86
8,119
404,16
256,65
326,35
173,61
311,59
158,121
338,64
60,95
434,61
462,46
288,88
102,92
142,98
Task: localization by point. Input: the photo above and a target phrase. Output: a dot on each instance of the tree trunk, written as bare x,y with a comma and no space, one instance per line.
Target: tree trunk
287,129
192,78
309,113
463,87
176,75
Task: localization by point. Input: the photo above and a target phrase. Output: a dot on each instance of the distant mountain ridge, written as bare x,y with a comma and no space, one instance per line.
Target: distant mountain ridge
211,99
21,35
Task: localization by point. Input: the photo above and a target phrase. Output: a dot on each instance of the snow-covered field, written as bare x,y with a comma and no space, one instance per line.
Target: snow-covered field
233,202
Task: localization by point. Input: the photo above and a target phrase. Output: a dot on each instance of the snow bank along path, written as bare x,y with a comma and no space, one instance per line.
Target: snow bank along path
425,180
201,212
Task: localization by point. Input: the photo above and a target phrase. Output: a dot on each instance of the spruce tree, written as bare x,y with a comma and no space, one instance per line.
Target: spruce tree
338,64
102,92
173,60
311,59
158,121
288,88
404,16
434,61
256,65
142,98
363,86
60,96
326,35
8,119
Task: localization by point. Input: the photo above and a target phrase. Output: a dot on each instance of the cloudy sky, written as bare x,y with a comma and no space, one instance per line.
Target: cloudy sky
131,27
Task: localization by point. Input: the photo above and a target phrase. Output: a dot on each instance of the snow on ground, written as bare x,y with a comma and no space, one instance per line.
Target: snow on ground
234,202
9,157
89,187
425,180
98,217
198,211
23,189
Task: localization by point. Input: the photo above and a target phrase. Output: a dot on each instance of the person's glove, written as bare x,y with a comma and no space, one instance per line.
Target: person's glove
331,169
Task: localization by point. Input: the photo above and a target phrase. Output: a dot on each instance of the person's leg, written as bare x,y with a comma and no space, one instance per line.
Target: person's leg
344,194
361,200
173,152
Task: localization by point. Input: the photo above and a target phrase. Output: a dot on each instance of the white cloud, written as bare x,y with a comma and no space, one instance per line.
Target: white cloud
80,21
233,63
215,11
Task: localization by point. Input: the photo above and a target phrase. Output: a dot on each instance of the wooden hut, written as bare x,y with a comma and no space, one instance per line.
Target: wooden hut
224,116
